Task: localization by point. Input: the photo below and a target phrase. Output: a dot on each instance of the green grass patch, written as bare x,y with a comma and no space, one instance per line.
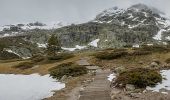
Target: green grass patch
68,69
139,77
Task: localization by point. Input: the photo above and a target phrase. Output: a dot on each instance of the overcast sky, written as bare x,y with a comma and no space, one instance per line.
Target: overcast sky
48,11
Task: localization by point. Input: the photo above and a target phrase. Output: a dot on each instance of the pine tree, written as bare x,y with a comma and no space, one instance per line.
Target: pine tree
53,45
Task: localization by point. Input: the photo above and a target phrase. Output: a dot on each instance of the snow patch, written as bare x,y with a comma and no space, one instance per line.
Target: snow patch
159,35
165,83
73,49
27,87
10,51
168,37
94,43
136,46
42,45
111,77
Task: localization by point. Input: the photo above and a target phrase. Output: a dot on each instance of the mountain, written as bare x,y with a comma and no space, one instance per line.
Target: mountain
112,28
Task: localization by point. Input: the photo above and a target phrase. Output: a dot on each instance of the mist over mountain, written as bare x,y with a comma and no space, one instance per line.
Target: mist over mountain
67,11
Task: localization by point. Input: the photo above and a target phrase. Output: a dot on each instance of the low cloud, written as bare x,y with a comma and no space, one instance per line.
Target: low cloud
18,11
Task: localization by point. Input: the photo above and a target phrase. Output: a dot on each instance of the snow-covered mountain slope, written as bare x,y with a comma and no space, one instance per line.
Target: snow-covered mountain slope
137,18
112,28
18,29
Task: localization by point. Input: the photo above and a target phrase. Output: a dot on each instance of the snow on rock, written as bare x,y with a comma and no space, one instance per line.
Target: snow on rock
136,46
10,51
111,77
27,87
159,35
68,49
77,47
168,37
165,83
112,11
42,45
94,43
150,44
80,47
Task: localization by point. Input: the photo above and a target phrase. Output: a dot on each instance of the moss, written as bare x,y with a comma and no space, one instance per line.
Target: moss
24,65
68,69
139,77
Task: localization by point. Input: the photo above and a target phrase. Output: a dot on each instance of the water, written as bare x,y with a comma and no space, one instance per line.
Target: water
27,87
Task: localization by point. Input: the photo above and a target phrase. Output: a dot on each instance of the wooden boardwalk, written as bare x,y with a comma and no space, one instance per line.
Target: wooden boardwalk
99,89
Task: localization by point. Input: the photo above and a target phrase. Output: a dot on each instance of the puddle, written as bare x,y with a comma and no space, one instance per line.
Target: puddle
27,87
165,83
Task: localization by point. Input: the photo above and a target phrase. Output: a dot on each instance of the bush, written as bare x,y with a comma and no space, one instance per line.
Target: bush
37,58
68,69
167,60
61,56
139,53
139,77
24,65
155,48
106,55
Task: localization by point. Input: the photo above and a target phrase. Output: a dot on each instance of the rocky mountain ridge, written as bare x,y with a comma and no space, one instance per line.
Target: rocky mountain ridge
113,28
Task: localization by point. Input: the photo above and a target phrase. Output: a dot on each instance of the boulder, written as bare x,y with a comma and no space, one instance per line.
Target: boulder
120,69
63,78
130,87
114,94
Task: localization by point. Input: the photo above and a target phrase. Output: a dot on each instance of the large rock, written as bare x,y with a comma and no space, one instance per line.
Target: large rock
120,69
130,87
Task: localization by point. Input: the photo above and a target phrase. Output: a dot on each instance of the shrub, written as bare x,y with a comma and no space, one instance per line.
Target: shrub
139,77
155,48
139,53
37,58
24,65
167,60
61,56
110,55
68,69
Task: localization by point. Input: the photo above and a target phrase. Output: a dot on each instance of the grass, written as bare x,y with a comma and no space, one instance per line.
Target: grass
60,56
156,48
167,60
38,58
68,69
24,65
139,77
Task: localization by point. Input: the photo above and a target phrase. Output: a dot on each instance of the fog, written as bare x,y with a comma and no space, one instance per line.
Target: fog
69,11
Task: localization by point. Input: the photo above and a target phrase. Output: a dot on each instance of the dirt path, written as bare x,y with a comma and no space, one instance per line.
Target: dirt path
99,89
